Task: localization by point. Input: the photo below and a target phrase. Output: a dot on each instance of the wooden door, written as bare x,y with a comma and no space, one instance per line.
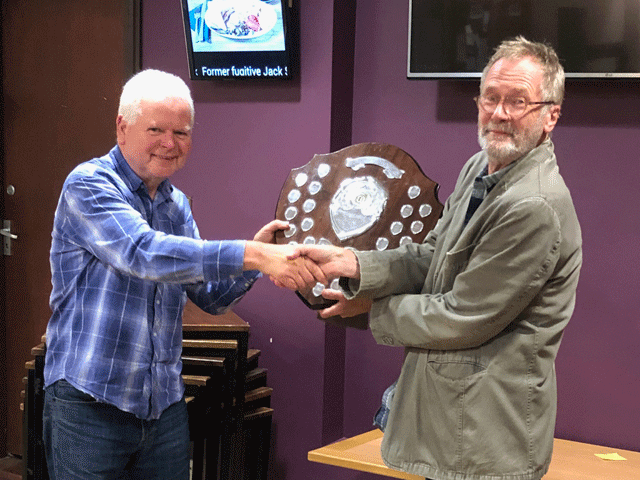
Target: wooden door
64,64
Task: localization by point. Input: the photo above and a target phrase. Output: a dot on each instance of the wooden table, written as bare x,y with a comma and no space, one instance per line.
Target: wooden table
571,460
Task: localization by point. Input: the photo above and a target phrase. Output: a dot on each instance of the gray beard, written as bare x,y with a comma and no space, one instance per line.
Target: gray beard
504,153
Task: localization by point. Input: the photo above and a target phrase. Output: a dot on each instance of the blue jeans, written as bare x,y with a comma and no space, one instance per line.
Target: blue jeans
86,440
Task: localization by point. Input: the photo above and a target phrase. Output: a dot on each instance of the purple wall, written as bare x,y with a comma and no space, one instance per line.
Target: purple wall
248,138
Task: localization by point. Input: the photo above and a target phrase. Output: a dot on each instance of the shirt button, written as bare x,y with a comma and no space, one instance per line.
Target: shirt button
157,302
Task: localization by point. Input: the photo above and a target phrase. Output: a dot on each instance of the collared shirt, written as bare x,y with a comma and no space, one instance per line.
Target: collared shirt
482,185
122,267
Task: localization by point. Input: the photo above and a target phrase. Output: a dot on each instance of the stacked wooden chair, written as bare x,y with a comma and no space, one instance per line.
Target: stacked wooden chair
227,396
233,442
33,460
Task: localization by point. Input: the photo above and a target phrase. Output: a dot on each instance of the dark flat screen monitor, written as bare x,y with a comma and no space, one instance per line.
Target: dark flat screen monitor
231,39
455,38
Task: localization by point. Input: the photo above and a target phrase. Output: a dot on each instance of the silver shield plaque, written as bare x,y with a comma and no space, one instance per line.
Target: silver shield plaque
367,196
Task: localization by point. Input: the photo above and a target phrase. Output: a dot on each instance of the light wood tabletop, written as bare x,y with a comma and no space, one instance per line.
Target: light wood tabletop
570,461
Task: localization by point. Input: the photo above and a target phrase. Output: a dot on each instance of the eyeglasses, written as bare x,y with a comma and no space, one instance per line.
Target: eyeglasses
512,106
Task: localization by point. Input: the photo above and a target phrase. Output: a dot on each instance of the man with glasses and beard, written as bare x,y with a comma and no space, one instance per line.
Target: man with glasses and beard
481,305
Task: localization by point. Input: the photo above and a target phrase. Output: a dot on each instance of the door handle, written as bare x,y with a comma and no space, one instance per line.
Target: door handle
7,236
5,232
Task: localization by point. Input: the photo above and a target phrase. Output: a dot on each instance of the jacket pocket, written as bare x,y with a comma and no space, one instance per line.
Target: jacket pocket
454,262
475,425
449,379
455,370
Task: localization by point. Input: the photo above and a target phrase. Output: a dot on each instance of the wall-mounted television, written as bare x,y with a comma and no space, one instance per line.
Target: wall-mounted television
455,38
248,39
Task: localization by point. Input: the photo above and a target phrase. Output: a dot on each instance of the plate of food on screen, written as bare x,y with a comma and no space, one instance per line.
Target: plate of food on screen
240,20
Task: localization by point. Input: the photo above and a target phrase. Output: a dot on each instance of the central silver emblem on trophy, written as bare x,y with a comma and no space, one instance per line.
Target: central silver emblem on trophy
356,206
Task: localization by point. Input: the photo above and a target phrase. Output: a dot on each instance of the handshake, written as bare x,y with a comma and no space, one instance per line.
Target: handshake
300,267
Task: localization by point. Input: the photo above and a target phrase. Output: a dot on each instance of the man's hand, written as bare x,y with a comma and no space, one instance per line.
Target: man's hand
267,234
334,261
344,308
282,265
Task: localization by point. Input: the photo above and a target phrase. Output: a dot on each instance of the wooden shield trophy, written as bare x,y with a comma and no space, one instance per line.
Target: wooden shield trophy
367,196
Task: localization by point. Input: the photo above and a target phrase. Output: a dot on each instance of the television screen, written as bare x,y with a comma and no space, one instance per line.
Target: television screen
238,38
455,38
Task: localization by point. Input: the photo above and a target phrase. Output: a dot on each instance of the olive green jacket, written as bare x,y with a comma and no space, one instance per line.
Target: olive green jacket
480,311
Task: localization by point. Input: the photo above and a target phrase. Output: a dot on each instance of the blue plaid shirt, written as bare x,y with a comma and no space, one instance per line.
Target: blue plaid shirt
122,267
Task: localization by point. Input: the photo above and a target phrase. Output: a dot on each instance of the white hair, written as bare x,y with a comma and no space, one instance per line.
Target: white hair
154,86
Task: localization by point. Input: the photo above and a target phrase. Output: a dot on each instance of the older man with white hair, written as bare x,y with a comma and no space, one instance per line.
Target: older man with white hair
125,255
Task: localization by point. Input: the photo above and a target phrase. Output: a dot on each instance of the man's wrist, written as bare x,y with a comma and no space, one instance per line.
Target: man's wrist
253,256
352,269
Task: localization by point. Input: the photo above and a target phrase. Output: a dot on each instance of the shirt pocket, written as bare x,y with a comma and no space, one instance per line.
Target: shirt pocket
182,229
